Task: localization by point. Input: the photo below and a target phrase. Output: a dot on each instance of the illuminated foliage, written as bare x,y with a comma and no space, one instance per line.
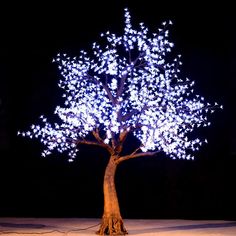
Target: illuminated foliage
126,84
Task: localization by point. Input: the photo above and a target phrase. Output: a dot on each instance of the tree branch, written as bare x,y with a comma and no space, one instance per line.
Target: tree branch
121,87
134,111
89,143
97,136
135,155
121,140
101,142
123,136
123,78
135,151
105,86
103,145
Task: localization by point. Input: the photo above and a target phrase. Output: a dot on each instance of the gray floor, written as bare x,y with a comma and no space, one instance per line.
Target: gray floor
87,227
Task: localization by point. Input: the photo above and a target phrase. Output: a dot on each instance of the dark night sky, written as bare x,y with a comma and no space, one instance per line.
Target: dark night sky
31,35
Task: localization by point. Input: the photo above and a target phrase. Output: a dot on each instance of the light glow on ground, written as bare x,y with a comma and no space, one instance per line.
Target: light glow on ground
138,227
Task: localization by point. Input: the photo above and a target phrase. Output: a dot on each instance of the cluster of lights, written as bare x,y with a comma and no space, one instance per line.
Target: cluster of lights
126,85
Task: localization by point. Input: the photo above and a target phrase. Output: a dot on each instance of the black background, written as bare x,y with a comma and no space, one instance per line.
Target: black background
31,186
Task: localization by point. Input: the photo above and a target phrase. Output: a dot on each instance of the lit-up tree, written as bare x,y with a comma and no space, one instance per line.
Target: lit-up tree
128,84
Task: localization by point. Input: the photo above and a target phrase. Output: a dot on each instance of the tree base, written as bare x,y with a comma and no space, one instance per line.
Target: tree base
112,226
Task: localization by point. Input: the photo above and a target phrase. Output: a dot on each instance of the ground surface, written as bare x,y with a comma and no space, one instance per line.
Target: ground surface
87,227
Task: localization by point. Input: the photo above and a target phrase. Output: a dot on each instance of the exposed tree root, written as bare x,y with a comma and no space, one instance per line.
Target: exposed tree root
112,226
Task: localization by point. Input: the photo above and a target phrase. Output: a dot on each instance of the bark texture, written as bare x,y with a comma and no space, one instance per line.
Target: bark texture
112,222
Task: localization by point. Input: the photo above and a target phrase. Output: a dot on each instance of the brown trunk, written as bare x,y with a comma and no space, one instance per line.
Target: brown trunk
112,223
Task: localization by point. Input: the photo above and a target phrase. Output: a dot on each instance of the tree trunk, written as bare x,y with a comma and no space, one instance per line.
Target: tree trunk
112,223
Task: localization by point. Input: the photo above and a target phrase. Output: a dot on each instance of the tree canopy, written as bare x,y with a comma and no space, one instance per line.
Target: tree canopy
127,83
